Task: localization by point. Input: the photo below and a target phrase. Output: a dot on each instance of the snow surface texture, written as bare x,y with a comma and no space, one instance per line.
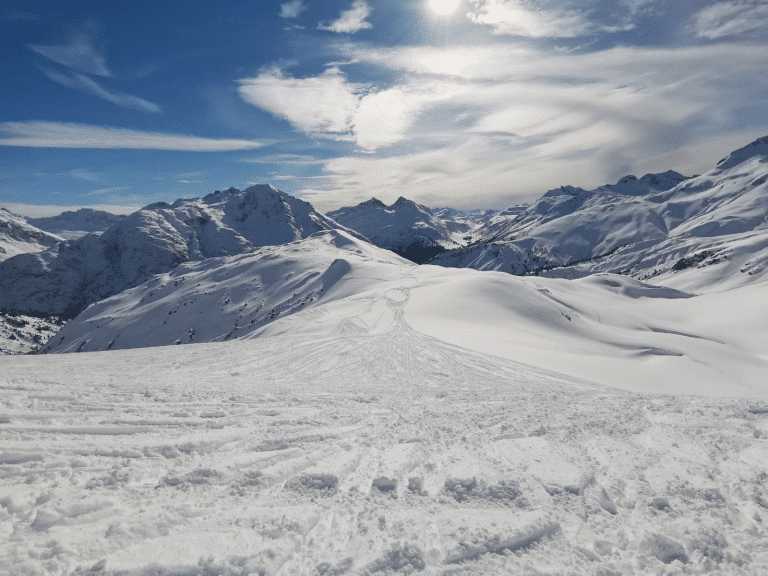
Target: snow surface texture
409,229
653,227
656,338
367,452
74,225
19,237
64,279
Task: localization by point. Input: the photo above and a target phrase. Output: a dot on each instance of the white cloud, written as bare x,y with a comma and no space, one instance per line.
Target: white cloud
524,18
82,82
320,105
292,9
79,55
350,21
731,18
62,135
519,121
330,106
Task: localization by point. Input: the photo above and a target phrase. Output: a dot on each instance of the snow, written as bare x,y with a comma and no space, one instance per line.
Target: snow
407,228
66,278
384,451
649,228
278,396
72,225
19,237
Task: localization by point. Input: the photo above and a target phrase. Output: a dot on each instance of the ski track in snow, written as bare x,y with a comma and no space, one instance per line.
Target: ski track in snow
367,452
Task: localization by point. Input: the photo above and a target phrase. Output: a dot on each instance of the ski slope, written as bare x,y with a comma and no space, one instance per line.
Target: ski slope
373,449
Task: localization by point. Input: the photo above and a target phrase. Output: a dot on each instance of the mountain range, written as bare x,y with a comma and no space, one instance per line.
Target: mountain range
691,233
65,278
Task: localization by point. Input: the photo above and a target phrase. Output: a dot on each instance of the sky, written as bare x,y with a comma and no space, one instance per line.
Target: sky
462,103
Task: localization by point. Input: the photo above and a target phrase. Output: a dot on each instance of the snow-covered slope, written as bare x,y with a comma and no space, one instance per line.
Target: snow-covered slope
651,228
74,225
20,334
382,448
407,228
63,280
593,328
17,236
230,297
567,225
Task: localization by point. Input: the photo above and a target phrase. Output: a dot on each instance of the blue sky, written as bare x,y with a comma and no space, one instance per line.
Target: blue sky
489,103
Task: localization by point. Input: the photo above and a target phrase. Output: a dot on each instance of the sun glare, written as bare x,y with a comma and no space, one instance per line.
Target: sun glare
444,6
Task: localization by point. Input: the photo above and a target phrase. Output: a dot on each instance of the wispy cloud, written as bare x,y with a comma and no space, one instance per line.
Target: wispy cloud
547,19
499,120
81,173
80,55
733,18
84,174
291,159
519,18
83,83
103,191
292,9
61,135
350,21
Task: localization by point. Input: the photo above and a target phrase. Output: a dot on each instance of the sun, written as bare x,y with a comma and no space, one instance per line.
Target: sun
444,6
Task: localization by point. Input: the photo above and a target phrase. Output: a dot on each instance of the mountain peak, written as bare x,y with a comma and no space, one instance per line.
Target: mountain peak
757,148
261,189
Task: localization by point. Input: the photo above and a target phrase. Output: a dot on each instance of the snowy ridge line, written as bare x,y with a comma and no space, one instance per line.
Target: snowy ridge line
65,279
633,226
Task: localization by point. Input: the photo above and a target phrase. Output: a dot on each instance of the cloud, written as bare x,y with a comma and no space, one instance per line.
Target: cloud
350,21
330,106
292,9
732,18
79,55
548,19
83,83
507,121
324,104
517,18
84,174
61,135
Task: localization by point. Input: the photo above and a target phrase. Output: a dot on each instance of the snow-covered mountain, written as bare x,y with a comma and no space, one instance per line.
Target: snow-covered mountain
66,278
333,284
344,411
231,297
658,224
409,229
17,236
73,225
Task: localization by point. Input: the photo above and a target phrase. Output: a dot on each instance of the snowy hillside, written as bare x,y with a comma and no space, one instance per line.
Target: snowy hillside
647,228
74,225
407,228
17,236
230,297
330,283
378,447
63,280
